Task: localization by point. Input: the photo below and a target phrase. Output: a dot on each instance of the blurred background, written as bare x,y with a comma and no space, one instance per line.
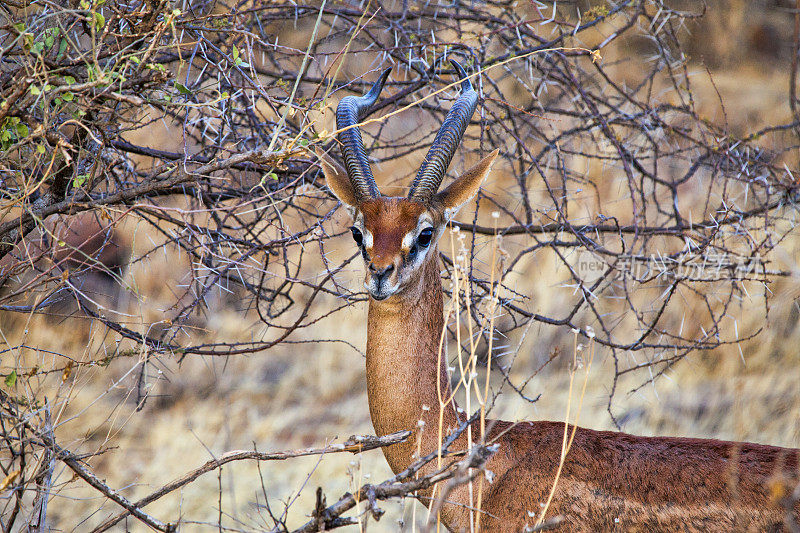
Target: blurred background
177,282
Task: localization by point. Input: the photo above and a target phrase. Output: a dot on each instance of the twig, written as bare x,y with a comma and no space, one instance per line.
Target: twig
355,444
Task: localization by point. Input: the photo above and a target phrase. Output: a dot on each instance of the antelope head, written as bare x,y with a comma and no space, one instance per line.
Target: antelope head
398,235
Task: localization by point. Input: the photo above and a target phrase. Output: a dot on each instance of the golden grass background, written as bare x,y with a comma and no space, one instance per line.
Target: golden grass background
300,395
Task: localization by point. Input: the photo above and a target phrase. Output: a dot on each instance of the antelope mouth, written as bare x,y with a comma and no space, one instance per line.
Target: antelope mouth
379,293
380,289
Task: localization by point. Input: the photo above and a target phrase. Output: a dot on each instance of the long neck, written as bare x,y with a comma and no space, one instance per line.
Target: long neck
404,374
629,482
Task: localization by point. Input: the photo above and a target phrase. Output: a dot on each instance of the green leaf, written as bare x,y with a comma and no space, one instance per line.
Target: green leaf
237,60
99,20
69,80
303,142
11,379
67,97
40,149
50,35
34,90
19,26
182,88
62,47
22,131
37,47
80,180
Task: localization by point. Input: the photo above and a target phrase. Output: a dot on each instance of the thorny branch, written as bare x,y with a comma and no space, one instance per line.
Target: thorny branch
178,118
552,111
355,444
402,484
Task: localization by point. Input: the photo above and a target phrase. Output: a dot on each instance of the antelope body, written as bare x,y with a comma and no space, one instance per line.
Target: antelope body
81,243
609,481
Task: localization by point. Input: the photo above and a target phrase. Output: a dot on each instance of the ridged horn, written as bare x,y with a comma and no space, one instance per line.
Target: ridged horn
441,152
351,110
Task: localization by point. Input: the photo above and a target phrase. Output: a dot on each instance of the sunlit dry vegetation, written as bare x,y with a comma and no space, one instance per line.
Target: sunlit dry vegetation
177,282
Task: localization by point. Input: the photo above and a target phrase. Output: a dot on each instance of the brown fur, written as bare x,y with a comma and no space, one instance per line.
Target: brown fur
80,242
336,178
389,219
464,188
610,481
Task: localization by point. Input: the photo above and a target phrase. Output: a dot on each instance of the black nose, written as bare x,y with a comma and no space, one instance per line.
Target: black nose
380,274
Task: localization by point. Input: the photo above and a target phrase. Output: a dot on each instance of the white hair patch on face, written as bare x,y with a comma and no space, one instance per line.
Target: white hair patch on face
408,240
358,222
450,213
424,221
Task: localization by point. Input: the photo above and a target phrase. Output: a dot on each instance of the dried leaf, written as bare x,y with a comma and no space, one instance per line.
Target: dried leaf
67,371
10,478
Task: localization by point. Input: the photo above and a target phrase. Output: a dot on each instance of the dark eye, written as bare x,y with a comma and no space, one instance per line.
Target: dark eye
425,237
357,236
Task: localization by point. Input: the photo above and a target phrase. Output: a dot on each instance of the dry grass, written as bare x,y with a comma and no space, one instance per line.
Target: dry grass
306,394
299,395
303,395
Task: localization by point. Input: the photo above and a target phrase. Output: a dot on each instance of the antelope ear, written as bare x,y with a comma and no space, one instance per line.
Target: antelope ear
465,186
337,179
